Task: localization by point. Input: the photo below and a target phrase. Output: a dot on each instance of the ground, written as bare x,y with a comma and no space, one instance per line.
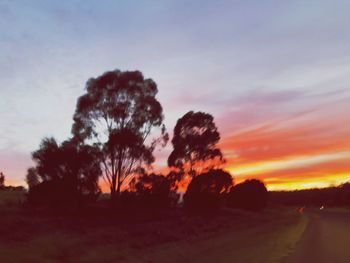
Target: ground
326,239
169,236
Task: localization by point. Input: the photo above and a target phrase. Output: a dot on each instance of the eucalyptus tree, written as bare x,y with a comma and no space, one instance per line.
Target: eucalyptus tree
195,144
118,113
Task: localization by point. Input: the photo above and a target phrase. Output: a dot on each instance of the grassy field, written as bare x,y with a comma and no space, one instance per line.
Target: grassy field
9,198
170,236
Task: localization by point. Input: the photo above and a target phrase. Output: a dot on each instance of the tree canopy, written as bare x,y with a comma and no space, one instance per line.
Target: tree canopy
77,165
117,113
206,190
32,178
195,142
251,195
153,190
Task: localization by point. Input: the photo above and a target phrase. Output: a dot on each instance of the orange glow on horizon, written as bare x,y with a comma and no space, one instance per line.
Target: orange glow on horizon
309,150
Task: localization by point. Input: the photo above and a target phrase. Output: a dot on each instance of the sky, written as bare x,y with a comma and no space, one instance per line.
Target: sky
274,74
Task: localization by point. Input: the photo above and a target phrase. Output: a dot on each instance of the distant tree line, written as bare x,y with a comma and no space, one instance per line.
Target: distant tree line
117,125
331,196
3,186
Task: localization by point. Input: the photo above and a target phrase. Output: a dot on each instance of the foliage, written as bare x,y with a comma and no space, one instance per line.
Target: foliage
32,178
63,170
118,112
56,193
153,190
174,177
206,190
194,142
251,195
149,191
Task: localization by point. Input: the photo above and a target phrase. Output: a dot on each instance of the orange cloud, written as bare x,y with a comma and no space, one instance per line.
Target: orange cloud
301,151
265,143
311,172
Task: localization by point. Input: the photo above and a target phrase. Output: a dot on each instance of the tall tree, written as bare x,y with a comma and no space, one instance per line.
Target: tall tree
118,112
195,144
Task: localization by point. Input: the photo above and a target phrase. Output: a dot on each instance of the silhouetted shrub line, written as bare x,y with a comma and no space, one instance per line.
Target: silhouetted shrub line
330,196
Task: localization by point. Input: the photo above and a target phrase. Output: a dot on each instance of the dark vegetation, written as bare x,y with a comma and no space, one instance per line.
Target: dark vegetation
64,175
118,113
207,190
195,144
331,197
149,192
251,194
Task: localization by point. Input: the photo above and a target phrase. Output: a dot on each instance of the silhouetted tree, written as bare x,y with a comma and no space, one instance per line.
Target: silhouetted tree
206,190
118,112
32,178
2,180
66,171
251,195
195,142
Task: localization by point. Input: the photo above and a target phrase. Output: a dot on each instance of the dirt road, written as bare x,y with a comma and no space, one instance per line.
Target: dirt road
326,238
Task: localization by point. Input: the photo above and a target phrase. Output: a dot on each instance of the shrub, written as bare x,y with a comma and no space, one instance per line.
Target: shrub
206,190
153,191
251,195
58,193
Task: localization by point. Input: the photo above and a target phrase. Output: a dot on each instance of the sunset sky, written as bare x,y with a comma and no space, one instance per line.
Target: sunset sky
274,74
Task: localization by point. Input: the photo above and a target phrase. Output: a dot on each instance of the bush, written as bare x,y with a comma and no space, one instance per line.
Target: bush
251,195
206,190
153,190
64,175
56,194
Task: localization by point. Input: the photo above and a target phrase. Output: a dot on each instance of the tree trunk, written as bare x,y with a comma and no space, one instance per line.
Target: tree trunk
113,187
118,188
119,174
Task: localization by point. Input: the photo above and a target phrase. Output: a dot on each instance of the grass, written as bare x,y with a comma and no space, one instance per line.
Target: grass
264,239
10,198
170,236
